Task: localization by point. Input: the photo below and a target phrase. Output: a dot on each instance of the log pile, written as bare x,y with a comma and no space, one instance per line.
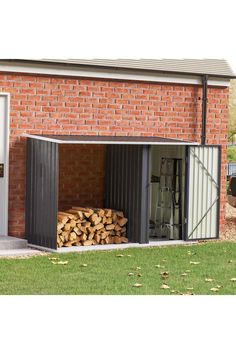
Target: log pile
80,226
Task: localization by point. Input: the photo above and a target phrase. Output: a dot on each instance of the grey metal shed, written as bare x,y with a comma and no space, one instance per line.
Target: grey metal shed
127,185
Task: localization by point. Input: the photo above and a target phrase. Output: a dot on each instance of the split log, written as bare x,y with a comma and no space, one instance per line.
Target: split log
117,239
87,243
72,236
99,226
90,236
108,221
83,237
117,227
108,213
62,218
110,227
122,221
87,211
70,216
124,239
119,213
101,212
95,219
67,227
77,231
72,223
97,238
60,225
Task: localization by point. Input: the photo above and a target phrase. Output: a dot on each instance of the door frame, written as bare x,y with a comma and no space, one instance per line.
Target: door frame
186,198
6,158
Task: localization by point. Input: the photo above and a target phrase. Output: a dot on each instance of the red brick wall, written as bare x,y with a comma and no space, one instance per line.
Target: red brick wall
81,176
57,105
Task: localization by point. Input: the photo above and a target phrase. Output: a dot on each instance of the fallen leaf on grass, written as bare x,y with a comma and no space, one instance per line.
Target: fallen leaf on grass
219,286
130,274
184,274
233,279
84,265
230,261
119,255
53,258
189,288
177,292
164,286
209,280
60,262
191,262
137,285
164,275
129,255
159,266
190,253
138,268
214,289
139,275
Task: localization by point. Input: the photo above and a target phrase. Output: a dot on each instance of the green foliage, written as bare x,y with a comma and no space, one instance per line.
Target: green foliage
155,270
231,153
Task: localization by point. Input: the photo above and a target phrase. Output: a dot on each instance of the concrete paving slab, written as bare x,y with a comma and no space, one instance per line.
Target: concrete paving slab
8,243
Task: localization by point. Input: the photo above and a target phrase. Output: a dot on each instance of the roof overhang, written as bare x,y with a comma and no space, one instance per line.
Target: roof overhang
70,70
108,140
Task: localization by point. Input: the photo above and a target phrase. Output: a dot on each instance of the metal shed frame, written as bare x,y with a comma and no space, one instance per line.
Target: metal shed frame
127,186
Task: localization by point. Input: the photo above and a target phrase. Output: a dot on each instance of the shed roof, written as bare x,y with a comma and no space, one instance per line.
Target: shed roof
118,140
214,67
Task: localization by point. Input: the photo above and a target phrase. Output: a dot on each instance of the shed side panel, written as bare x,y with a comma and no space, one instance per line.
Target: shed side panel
42,193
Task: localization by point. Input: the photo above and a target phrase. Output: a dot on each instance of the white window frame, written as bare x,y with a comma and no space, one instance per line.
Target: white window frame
6,158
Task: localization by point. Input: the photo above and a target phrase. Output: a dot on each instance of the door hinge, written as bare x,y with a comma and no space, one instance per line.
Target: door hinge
1,170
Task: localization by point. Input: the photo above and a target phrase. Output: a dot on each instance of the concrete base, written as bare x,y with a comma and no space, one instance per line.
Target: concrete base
114,246
12,243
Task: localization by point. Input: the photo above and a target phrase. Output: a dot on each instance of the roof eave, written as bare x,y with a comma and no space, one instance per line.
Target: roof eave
41,62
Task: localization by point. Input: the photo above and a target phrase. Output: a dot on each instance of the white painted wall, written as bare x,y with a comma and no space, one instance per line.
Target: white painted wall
4,151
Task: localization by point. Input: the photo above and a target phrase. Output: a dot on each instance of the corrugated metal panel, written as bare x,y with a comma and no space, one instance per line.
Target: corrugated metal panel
191,66
42,193
127,187
203,192
214,67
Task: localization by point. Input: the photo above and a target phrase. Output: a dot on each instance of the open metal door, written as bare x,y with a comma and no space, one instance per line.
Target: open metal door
202,192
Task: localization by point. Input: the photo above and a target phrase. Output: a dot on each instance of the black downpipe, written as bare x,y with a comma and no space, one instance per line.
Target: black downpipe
204,109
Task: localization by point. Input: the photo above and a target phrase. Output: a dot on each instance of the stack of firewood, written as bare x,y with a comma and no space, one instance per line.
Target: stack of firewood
88,226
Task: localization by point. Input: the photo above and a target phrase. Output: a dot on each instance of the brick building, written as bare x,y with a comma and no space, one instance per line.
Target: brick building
175,109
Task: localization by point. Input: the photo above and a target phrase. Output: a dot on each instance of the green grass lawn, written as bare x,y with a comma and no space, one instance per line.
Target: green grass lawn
107,272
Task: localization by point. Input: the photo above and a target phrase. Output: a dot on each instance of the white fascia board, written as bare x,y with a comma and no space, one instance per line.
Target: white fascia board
57,141
107,73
